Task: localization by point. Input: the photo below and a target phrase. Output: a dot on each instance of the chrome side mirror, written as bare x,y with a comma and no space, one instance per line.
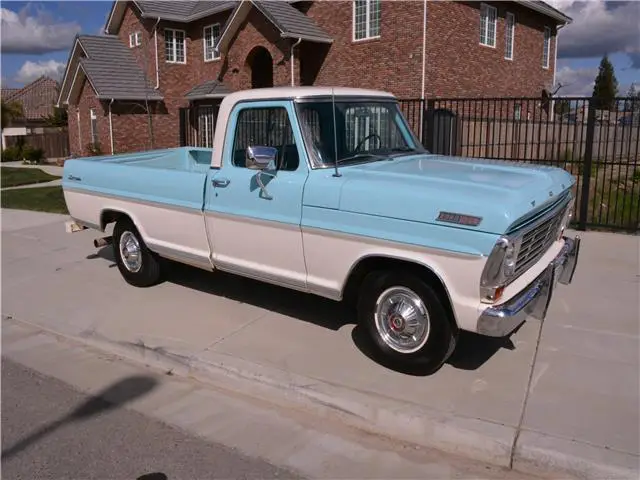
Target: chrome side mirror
261,158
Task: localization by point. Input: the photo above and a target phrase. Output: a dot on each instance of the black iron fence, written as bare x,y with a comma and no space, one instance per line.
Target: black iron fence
598,144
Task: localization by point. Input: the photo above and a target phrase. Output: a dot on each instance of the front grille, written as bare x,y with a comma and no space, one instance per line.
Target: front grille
537,241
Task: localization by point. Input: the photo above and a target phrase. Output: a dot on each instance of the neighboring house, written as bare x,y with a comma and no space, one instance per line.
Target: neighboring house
38,100
124,90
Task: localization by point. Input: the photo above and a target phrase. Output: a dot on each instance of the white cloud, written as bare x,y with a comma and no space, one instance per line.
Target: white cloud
24,33
576,81
600,27
32,70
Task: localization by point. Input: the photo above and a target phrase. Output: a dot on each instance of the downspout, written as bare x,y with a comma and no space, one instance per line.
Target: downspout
155,41
79,130
424,63
111,127
292,61
555,69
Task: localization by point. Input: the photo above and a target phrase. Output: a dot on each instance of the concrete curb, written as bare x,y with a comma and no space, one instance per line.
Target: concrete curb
481,440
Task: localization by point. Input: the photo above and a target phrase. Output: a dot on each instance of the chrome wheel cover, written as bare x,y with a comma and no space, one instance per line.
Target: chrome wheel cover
130,252
402,320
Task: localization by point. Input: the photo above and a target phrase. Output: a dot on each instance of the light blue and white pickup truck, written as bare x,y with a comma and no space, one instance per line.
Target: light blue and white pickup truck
329,192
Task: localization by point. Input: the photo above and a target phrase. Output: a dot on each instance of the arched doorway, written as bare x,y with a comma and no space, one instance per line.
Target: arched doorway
261,65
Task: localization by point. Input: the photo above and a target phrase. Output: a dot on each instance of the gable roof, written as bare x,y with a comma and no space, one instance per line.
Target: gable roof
37,98
176,11
94,57
290,21
208,89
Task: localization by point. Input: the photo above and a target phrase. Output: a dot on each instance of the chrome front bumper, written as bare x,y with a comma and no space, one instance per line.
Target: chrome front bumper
501,320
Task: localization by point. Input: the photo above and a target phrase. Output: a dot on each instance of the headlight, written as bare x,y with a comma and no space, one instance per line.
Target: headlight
500,266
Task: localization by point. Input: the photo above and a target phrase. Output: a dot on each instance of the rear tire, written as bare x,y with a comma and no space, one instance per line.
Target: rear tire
138,265
406,321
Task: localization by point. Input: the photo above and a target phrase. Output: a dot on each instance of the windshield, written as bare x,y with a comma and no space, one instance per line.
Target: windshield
367,131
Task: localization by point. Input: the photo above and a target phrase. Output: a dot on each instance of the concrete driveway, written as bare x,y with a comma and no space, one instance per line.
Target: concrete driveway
552,397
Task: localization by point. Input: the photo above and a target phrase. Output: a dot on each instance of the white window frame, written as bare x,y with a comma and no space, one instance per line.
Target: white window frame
546,48
214,54
367,34
174,49
135,39
488,9
509,35
94,133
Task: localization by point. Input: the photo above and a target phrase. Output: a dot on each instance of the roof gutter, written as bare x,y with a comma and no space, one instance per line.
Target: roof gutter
292,62
542,7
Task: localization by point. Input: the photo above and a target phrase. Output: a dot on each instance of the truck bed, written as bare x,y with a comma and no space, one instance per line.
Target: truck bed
172,177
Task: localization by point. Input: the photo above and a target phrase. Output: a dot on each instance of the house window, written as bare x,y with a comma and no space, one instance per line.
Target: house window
547,47
135,39
488,21
175,46
94,126
509,34
207,115
210,37
366,19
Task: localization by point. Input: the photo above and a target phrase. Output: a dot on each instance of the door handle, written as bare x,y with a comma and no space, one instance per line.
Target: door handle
220,182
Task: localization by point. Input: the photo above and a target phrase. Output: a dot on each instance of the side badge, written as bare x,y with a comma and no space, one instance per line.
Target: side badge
459,218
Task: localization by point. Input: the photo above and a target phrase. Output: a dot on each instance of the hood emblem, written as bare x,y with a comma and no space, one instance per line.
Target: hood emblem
533,203
550,193
459,218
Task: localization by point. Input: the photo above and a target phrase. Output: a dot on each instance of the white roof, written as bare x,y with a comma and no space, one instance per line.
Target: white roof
272,93
300,92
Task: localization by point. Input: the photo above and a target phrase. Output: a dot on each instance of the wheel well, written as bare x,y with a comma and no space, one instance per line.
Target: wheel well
370,264
111,216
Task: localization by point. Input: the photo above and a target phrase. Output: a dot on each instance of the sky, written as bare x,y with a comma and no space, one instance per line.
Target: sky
36,38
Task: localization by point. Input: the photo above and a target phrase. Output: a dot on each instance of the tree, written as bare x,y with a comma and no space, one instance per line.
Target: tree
58,118
10,111
605,88
632,102
562,106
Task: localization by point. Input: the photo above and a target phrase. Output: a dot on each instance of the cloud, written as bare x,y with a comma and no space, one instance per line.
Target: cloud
32,70
576,81
600,27
25,33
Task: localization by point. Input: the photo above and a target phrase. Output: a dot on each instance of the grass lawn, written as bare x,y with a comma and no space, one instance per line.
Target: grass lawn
41,199
15,176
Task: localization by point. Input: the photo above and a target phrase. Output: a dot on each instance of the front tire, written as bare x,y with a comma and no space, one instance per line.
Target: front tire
138,265
406,321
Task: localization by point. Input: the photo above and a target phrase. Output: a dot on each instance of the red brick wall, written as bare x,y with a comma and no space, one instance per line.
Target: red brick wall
79,139
392,62
457,65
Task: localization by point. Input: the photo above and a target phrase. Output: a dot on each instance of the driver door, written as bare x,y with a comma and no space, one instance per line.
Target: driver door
255,230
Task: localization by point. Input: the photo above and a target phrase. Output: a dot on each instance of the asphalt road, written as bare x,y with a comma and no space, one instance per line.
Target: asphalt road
49,430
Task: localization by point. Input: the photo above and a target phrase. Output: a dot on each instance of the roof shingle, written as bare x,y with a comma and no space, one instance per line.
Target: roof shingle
208,89
124,82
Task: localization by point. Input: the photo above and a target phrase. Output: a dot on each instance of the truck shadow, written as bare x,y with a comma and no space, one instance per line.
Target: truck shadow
471,353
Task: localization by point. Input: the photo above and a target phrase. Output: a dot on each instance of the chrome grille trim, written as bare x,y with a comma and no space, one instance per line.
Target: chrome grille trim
535,240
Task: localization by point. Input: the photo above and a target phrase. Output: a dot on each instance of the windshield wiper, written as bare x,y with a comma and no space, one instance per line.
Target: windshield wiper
360,155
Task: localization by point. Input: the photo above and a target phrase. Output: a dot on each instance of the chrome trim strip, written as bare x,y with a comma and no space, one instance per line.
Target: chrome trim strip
273,279
181,257
253,220
149,203
389,243
534,300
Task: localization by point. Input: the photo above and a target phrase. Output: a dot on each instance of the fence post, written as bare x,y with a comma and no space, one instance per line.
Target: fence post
427,125
586,166
183,127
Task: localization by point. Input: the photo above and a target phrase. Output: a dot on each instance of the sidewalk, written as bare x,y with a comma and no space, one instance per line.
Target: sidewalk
50,169
575,412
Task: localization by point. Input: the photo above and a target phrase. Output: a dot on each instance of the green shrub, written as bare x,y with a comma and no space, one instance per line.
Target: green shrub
11,154
33,155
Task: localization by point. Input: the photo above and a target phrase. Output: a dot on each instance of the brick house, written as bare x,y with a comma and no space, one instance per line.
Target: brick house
37,100
124,90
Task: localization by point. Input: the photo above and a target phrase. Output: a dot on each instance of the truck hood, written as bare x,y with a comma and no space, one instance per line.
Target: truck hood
420,187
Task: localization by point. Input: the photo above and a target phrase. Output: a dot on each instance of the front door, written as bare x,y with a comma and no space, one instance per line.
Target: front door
256,231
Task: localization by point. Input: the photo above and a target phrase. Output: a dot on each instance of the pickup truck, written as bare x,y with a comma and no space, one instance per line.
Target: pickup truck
328,191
